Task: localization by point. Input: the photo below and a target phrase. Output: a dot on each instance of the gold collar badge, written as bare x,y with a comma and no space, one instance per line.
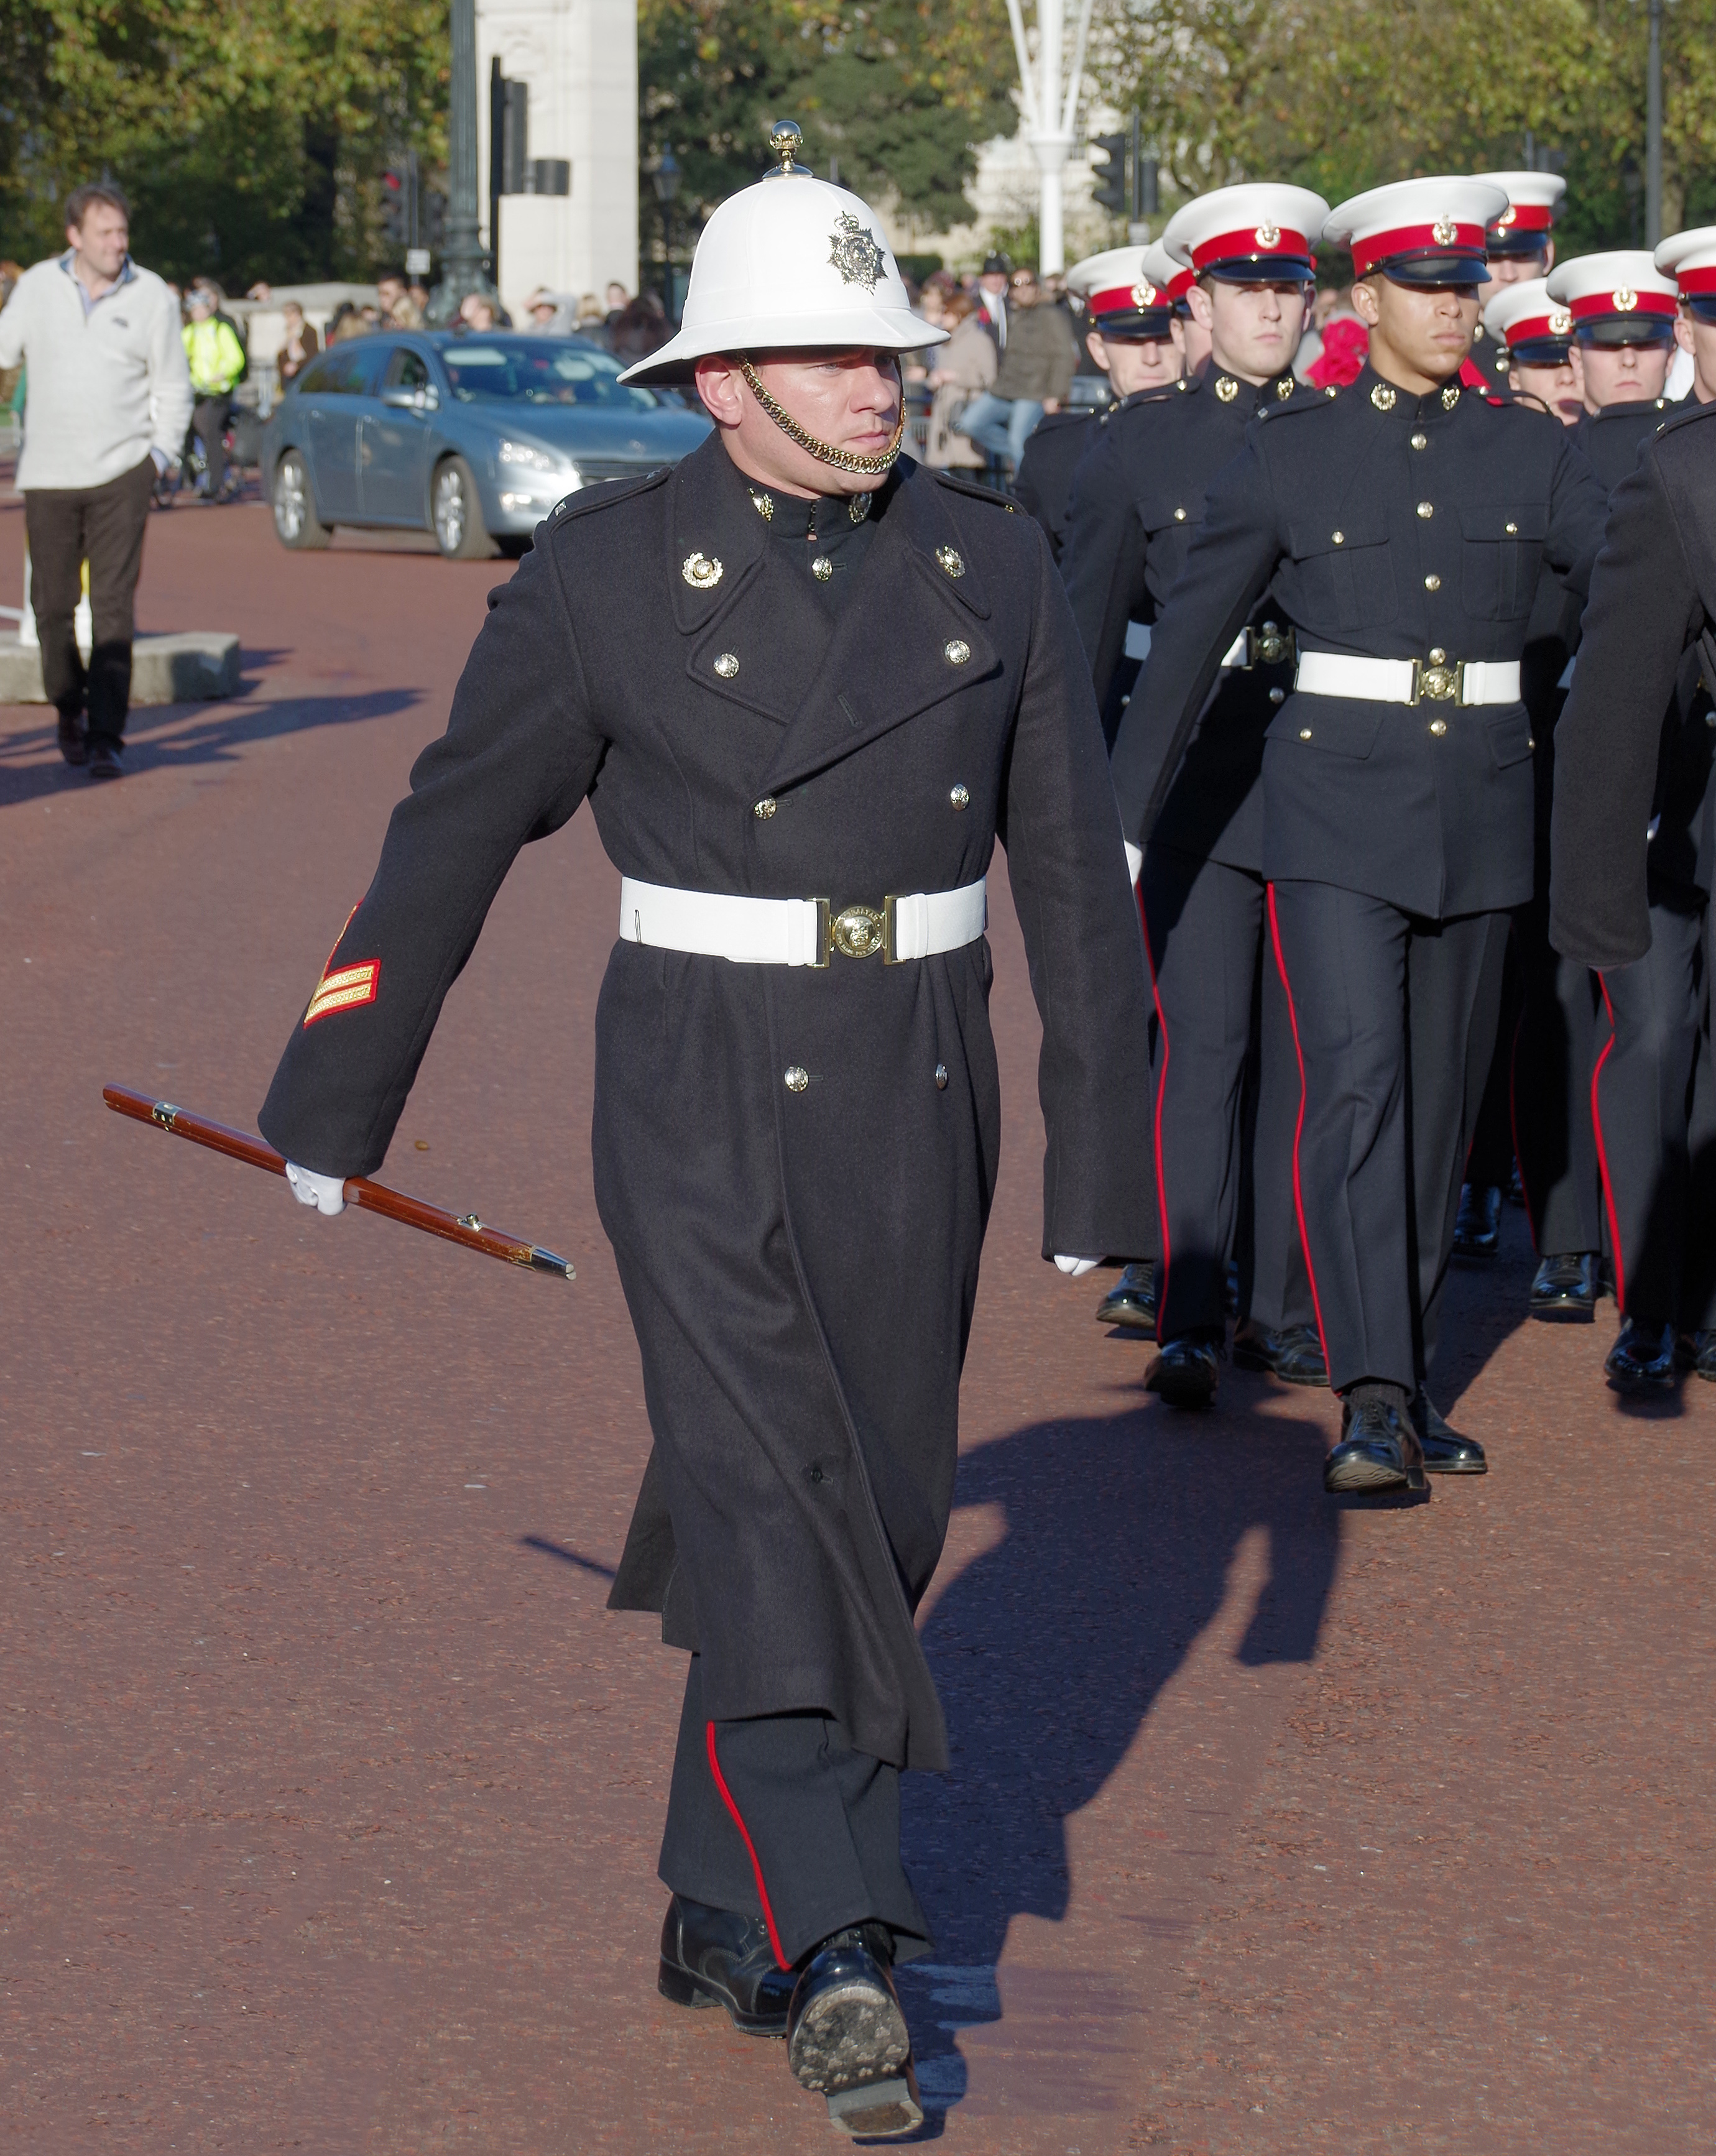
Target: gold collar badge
1382,396
1450,397
1227,389
701,572
764,504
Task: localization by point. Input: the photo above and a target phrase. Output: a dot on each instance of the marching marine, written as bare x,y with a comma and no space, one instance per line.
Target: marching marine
1139,501
1397,528
1623,310
805,688
1518,246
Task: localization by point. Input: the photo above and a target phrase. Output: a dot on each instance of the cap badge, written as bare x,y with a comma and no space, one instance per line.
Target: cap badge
701,572
1382,396
1506,218
1267,235
857,252
1626,300
1445,232
1144,293
1560,322
1227,389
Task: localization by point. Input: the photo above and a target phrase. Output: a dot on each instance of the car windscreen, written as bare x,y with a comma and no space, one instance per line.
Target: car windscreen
536,371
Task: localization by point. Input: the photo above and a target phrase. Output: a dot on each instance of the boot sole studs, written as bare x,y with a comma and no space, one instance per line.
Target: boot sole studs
852,2037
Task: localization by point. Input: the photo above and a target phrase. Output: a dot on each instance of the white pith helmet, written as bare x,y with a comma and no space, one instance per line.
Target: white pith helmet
790,263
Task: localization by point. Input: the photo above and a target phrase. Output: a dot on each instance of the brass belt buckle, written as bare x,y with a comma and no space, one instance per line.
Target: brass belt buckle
1271,645
1443,682
855,931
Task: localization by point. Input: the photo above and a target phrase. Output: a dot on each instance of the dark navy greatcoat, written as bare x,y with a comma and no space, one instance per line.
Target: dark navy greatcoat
1051,456
800,1265
1385,526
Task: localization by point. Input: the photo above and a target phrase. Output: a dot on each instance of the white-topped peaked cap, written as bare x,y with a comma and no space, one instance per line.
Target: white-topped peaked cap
791,264
1121,297
1420,232
1690,259
1535,328
1617,297
1255,234
1533,200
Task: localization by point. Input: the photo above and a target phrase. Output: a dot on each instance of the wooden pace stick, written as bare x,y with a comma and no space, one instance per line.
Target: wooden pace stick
464,1228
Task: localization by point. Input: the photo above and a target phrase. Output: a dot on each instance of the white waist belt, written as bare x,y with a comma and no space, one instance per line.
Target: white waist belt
799,932
1138,644
1409,680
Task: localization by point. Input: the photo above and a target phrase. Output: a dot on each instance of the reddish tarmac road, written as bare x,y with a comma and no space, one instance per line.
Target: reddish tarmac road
332,1793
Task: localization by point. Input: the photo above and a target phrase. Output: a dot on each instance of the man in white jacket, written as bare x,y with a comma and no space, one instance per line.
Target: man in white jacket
107,403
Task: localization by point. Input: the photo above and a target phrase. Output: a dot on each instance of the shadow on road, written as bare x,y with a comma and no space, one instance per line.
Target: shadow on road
166,736
1050,1649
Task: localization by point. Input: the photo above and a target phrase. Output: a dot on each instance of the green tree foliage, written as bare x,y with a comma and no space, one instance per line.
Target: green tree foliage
1342,95
248,134
897,91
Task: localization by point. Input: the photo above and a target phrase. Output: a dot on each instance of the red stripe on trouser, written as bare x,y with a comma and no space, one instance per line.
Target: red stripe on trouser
1299,1126
1514,1132
1161,1089
1603,1154
727,1797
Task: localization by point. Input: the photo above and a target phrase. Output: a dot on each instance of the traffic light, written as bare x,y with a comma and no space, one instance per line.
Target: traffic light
1146,189
1110,175
397,207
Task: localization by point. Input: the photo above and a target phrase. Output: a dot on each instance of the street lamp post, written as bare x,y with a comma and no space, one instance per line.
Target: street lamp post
1049,98
462,258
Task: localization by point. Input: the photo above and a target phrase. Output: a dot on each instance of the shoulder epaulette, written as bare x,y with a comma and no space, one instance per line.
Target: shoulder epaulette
969,487
605,494
1293,405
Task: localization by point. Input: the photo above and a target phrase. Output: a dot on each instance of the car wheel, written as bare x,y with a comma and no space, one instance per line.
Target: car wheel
457,509
295,521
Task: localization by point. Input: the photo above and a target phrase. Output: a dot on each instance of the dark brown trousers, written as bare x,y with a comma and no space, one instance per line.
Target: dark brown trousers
66,527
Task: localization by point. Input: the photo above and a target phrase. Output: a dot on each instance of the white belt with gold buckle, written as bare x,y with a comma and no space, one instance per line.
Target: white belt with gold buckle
1435,681
799,932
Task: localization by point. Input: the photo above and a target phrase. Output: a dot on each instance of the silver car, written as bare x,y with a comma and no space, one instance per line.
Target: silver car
475,438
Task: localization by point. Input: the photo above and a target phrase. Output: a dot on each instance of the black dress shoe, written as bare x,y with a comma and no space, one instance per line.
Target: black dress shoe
1185,1373
1132,1300
1642,1358
1379,1451
73,739
1516,1187
1697,1351
1446,1451
714,1958
1478,1226
847,2039
1230,1288
1565,1287
1294,1354
106,757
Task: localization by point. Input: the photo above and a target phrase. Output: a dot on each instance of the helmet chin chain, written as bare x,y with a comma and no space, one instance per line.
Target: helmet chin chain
842,459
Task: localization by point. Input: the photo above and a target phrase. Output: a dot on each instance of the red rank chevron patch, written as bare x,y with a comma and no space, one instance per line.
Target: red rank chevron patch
347,987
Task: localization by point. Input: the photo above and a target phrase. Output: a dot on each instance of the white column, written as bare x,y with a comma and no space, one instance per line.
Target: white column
1049,86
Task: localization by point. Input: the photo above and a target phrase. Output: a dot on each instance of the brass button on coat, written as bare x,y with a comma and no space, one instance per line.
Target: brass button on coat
1277,695
941,1077
1179,516
1421,441
1304,733
797,1078
957,652
765,808
727,666
1426,509
822,568
1337,538
1432,583
1439,727
959,797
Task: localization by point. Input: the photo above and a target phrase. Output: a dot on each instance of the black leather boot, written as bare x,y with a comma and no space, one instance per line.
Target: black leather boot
847,2038
1642,1358
1478,1226
1565,1287
1697,1351
1295,1355
1446,1451
1185,1373
714,1958
1132,1300
73,739
1379,1451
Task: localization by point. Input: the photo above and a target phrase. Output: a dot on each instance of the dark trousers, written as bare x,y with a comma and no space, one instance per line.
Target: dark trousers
1395,1020
780,1819
1222,1031
1652,1106
1554,1049
210,419
65,527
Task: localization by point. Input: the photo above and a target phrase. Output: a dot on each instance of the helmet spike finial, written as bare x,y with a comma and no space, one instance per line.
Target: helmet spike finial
785,139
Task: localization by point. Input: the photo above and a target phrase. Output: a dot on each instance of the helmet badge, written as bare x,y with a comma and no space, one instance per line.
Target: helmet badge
856,252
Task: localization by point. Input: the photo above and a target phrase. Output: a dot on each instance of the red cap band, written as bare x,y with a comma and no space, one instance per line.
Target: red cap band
1603,306
1241,246
1445,236
1130,299
1539,329
1522,216
1695,282
1180,283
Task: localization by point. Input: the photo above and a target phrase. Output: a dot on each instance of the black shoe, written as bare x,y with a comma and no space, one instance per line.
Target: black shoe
1516,1187
1132,1300
1294,1355
1697,1351
714,1958
1185,1373
73,739
1478,1226
1446,1451
1230,1289
847,2039
106,757
1564,1288
1379,1451
1642,1358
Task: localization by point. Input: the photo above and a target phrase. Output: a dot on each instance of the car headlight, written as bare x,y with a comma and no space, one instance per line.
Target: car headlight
522,453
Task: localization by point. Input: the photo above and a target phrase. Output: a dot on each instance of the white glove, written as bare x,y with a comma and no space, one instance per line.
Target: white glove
1076,1268
325,1193
1134,860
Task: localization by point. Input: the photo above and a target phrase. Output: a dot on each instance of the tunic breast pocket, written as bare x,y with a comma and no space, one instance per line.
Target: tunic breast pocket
1345,571
1500,550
